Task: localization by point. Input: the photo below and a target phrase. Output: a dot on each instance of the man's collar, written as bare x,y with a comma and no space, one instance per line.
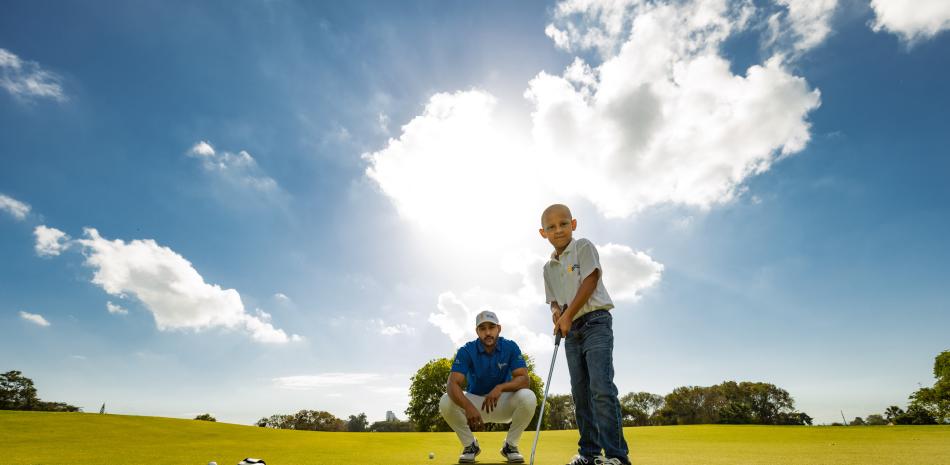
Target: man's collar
481,347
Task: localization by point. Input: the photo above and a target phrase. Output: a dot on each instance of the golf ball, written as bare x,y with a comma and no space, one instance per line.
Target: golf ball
431,455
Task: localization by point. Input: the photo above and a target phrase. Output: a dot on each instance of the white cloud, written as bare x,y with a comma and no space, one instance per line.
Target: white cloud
238,169
18,209
627,272
392,329
323,380
667,121
116,309
50,242
809,21
202,149
661,119
26,79
664,120
171,289
34,318
280,296
912,21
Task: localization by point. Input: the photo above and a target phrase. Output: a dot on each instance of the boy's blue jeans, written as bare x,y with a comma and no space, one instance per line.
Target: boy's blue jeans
589,346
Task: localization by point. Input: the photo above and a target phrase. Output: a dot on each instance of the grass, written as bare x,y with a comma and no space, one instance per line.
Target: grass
33,438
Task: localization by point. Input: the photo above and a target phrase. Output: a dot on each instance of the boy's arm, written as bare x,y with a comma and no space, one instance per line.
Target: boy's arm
586,289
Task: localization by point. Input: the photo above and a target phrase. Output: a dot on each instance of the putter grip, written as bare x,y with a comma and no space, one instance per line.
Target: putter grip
557,339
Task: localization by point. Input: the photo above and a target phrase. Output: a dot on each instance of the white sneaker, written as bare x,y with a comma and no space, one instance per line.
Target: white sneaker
471,450
580,460
606,461
511,453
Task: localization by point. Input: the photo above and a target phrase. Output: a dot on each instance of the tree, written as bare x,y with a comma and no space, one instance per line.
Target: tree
206,417
317,420
875,420
425,391
17,392
935,401
357,423
858,421
559,412
639,408
277,421
392,427
892,413
915,415
730,402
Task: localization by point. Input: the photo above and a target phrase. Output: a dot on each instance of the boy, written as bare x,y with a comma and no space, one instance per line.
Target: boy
580,310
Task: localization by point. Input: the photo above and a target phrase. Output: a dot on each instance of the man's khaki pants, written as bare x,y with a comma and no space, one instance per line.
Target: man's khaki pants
516,408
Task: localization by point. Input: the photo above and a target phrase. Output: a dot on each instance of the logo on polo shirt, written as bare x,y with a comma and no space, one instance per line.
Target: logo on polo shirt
501,366
574,267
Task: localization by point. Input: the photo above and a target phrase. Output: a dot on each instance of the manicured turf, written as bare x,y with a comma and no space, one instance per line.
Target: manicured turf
74,438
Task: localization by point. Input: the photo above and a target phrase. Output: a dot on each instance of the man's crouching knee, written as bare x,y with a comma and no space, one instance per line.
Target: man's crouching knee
524,399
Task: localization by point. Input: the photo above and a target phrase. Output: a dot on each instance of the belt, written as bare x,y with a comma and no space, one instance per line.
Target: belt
580,321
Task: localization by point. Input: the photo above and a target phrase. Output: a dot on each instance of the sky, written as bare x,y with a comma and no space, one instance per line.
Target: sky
256,207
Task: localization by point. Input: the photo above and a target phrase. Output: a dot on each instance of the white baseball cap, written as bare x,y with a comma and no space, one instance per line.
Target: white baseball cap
484,316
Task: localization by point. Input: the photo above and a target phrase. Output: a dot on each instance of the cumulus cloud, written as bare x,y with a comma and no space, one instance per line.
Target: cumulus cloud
18,209
911,21
50,242
628,273
116,309
661,120
392,329
238,169
27,79
665,120
34,318
170,288
323,380
807,22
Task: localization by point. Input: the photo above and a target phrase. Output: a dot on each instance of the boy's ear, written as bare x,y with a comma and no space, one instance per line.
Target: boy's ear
573,224
542,233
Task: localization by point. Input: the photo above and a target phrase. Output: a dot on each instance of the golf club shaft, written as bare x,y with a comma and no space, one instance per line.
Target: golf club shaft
547,385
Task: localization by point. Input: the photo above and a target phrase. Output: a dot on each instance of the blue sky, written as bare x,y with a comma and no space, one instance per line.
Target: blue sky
294,205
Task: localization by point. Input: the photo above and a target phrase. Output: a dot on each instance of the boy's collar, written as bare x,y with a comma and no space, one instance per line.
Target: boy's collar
570,247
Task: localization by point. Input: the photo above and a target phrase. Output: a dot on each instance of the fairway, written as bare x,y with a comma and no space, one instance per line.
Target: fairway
74,438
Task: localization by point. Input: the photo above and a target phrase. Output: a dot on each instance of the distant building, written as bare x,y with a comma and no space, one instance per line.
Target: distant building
390,416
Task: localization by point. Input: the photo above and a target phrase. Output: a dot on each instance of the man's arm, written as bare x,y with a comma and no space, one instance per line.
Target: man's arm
519,380
454,388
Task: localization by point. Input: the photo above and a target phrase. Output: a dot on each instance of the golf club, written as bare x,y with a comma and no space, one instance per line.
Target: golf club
547,385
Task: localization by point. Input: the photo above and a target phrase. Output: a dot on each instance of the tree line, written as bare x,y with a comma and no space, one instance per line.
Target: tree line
926,406
318,420
726,403
729,402
17,392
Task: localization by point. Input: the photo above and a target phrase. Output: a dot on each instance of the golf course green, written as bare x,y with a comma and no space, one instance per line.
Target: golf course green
34,438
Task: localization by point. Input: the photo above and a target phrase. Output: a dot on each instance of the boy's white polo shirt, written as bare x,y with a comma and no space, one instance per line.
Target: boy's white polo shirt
563,277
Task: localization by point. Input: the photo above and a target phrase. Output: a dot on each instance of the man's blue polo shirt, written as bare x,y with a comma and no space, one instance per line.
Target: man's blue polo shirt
484,371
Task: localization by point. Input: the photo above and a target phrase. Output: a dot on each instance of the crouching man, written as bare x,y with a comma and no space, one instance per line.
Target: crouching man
497,390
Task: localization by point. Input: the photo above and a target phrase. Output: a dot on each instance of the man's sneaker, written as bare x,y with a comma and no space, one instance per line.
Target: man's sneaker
581,460
511,453
471,450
